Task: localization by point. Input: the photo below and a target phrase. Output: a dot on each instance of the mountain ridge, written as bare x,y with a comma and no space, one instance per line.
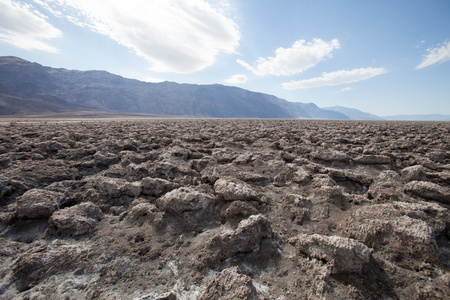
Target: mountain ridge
104,91
28,88
353,113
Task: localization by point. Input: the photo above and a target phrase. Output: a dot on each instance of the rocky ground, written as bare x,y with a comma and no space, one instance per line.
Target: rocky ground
224,209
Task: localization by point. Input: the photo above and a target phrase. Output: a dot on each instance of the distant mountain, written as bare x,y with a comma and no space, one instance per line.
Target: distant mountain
353,113
431,117
310,110
32,88
36,105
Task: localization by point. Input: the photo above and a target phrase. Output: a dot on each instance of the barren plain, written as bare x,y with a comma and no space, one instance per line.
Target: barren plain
224,209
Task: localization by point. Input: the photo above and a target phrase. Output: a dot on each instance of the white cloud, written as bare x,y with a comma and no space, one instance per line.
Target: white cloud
236,79
180,36
436,55
23,27
335,78
346,89
48,7
289,61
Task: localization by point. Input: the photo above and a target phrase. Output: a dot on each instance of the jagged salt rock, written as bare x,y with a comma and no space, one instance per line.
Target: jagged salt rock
234,189
77,220
230,284
342,255
37,204
428,190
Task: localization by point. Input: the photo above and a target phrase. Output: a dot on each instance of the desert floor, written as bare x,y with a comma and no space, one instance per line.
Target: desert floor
224,209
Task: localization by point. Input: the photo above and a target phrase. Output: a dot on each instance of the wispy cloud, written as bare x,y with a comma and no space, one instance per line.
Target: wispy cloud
289,61
335,78
23,27
346,89
180,36
237,79
437,54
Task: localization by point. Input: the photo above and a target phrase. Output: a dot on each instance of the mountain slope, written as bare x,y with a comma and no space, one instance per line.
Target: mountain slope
353,113
100,90
11,105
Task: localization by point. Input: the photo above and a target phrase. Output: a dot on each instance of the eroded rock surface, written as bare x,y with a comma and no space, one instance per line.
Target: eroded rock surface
342,255
76,220
224,209
37,204
230,284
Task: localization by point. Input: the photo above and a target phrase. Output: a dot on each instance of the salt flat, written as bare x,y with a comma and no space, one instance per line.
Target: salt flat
231,208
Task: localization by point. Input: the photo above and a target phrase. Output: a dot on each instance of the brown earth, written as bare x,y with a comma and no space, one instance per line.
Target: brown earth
224,209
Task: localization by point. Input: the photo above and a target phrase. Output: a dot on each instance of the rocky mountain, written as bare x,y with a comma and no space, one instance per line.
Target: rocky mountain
354,114
36,105
32,88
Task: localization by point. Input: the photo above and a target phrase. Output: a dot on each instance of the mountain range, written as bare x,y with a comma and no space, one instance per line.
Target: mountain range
28,88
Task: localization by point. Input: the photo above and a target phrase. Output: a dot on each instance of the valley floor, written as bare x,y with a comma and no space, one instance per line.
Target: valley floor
224,209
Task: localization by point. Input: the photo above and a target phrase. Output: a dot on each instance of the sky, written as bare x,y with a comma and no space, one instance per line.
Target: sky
385,57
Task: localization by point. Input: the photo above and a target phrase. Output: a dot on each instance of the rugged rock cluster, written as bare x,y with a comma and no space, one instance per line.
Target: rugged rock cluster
224,209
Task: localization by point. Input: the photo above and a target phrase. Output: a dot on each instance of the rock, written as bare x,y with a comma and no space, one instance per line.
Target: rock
224,155
240,209
315,281
37,204
200,164
243,158
112,186
210,174
231,189
116,187
332,156
228,285
373,160
385,186
322,180
298,207
254,178
143,212
413,173
342,255
336,174
132,189
298,201
183,200
104,158
397,231
280,179
246,238
428,190
4,182
44,261
117,210
362,178
192,208
289,157
156,186
6,219
77,220
301,176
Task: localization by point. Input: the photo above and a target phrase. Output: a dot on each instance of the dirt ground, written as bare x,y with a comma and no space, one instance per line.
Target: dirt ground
224,209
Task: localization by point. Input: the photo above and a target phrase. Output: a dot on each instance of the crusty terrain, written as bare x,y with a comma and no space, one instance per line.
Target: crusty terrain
224,209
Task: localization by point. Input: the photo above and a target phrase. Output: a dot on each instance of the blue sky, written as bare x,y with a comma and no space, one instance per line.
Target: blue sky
383,57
